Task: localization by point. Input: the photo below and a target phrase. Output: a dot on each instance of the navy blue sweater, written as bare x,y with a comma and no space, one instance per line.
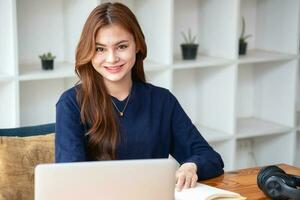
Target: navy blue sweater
154,125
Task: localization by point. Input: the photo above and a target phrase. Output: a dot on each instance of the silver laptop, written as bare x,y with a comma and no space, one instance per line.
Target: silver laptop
151,179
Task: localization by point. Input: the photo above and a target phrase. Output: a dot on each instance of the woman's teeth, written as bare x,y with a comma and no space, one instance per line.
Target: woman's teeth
114,69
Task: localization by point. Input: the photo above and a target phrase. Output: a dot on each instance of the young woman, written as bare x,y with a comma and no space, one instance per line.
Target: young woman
113,113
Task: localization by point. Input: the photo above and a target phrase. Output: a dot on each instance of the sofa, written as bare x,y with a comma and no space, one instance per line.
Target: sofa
21,149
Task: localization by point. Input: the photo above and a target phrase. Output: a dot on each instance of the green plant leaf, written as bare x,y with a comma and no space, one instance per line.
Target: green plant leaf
184,37
243,28
247,36
188,38
47,56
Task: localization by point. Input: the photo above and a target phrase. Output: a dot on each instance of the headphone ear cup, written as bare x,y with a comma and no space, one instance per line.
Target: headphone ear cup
278,185
275,187
265,173
287,179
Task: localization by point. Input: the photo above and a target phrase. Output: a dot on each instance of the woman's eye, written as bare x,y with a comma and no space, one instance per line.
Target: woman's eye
99,49
123,46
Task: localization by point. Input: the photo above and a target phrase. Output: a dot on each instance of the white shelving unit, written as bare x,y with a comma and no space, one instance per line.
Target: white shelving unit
34,72
266,98
9,106
246,107
37,105
200,92
260,56
252,127
227,149
264,150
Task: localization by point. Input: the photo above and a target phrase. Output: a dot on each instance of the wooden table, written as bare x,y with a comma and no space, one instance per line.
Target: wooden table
244,181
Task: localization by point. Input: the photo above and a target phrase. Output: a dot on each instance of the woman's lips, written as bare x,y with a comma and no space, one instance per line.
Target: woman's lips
114,69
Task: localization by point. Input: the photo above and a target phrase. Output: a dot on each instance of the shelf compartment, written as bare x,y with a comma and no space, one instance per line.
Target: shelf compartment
9,104
59,35
268,21
201,61
5,77
260,56
35,71
161,78
253,127
216,36
38,100
212,135
226,150
157,37
266,91
206,94
261,151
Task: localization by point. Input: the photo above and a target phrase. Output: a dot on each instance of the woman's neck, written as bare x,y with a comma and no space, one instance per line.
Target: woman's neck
119,90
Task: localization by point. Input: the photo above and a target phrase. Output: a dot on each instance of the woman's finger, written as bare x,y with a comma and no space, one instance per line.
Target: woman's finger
194,181
188,180
180,182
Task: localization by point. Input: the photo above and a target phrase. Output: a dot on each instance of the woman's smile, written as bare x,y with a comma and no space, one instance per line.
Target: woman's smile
114,69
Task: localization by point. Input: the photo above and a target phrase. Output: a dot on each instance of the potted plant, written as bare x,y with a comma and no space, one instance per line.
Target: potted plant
189,48
242,41
47,61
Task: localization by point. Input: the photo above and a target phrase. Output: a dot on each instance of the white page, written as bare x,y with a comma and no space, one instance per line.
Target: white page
205,192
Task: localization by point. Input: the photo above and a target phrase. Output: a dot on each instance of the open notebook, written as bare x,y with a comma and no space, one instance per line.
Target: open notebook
205,192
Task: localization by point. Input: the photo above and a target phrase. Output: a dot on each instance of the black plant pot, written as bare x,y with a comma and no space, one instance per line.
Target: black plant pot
242,48
47,64
189,51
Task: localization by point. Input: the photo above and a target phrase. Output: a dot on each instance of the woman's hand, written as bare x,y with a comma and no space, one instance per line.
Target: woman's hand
186,176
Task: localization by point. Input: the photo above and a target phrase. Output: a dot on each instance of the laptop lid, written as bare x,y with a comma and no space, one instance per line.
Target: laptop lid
109,180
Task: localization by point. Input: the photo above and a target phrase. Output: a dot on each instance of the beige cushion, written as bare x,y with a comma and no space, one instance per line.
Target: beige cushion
18,158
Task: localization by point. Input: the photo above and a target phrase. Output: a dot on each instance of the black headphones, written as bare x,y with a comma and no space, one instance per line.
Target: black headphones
278,185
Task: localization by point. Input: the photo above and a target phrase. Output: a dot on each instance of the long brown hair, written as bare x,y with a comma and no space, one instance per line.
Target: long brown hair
97,112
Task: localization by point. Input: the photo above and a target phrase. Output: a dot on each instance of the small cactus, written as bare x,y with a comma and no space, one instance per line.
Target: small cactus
188,39
47,56
243,37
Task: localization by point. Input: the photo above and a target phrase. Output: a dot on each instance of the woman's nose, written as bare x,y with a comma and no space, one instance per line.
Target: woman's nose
112,57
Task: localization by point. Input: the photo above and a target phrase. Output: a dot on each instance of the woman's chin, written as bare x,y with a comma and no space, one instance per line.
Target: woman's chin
115,78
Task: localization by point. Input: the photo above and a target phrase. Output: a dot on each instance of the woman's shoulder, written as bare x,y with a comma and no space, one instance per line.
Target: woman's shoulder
149,87
69,95
156,91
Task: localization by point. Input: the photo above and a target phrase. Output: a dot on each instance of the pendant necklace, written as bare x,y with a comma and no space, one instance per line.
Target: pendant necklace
121,113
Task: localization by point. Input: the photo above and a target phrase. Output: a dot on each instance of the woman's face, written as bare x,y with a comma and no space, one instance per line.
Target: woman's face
114,54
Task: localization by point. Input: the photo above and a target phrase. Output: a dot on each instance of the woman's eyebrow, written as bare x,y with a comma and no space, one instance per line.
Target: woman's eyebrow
99,44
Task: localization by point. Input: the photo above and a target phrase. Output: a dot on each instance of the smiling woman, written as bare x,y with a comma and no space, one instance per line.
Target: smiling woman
115,56
114,114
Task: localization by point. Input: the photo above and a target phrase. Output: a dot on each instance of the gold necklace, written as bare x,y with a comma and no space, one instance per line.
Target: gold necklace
121,113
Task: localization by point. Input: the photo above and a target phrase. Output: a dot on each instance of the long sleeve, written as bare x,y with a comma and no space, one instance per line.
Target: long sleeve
70,142
189,146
